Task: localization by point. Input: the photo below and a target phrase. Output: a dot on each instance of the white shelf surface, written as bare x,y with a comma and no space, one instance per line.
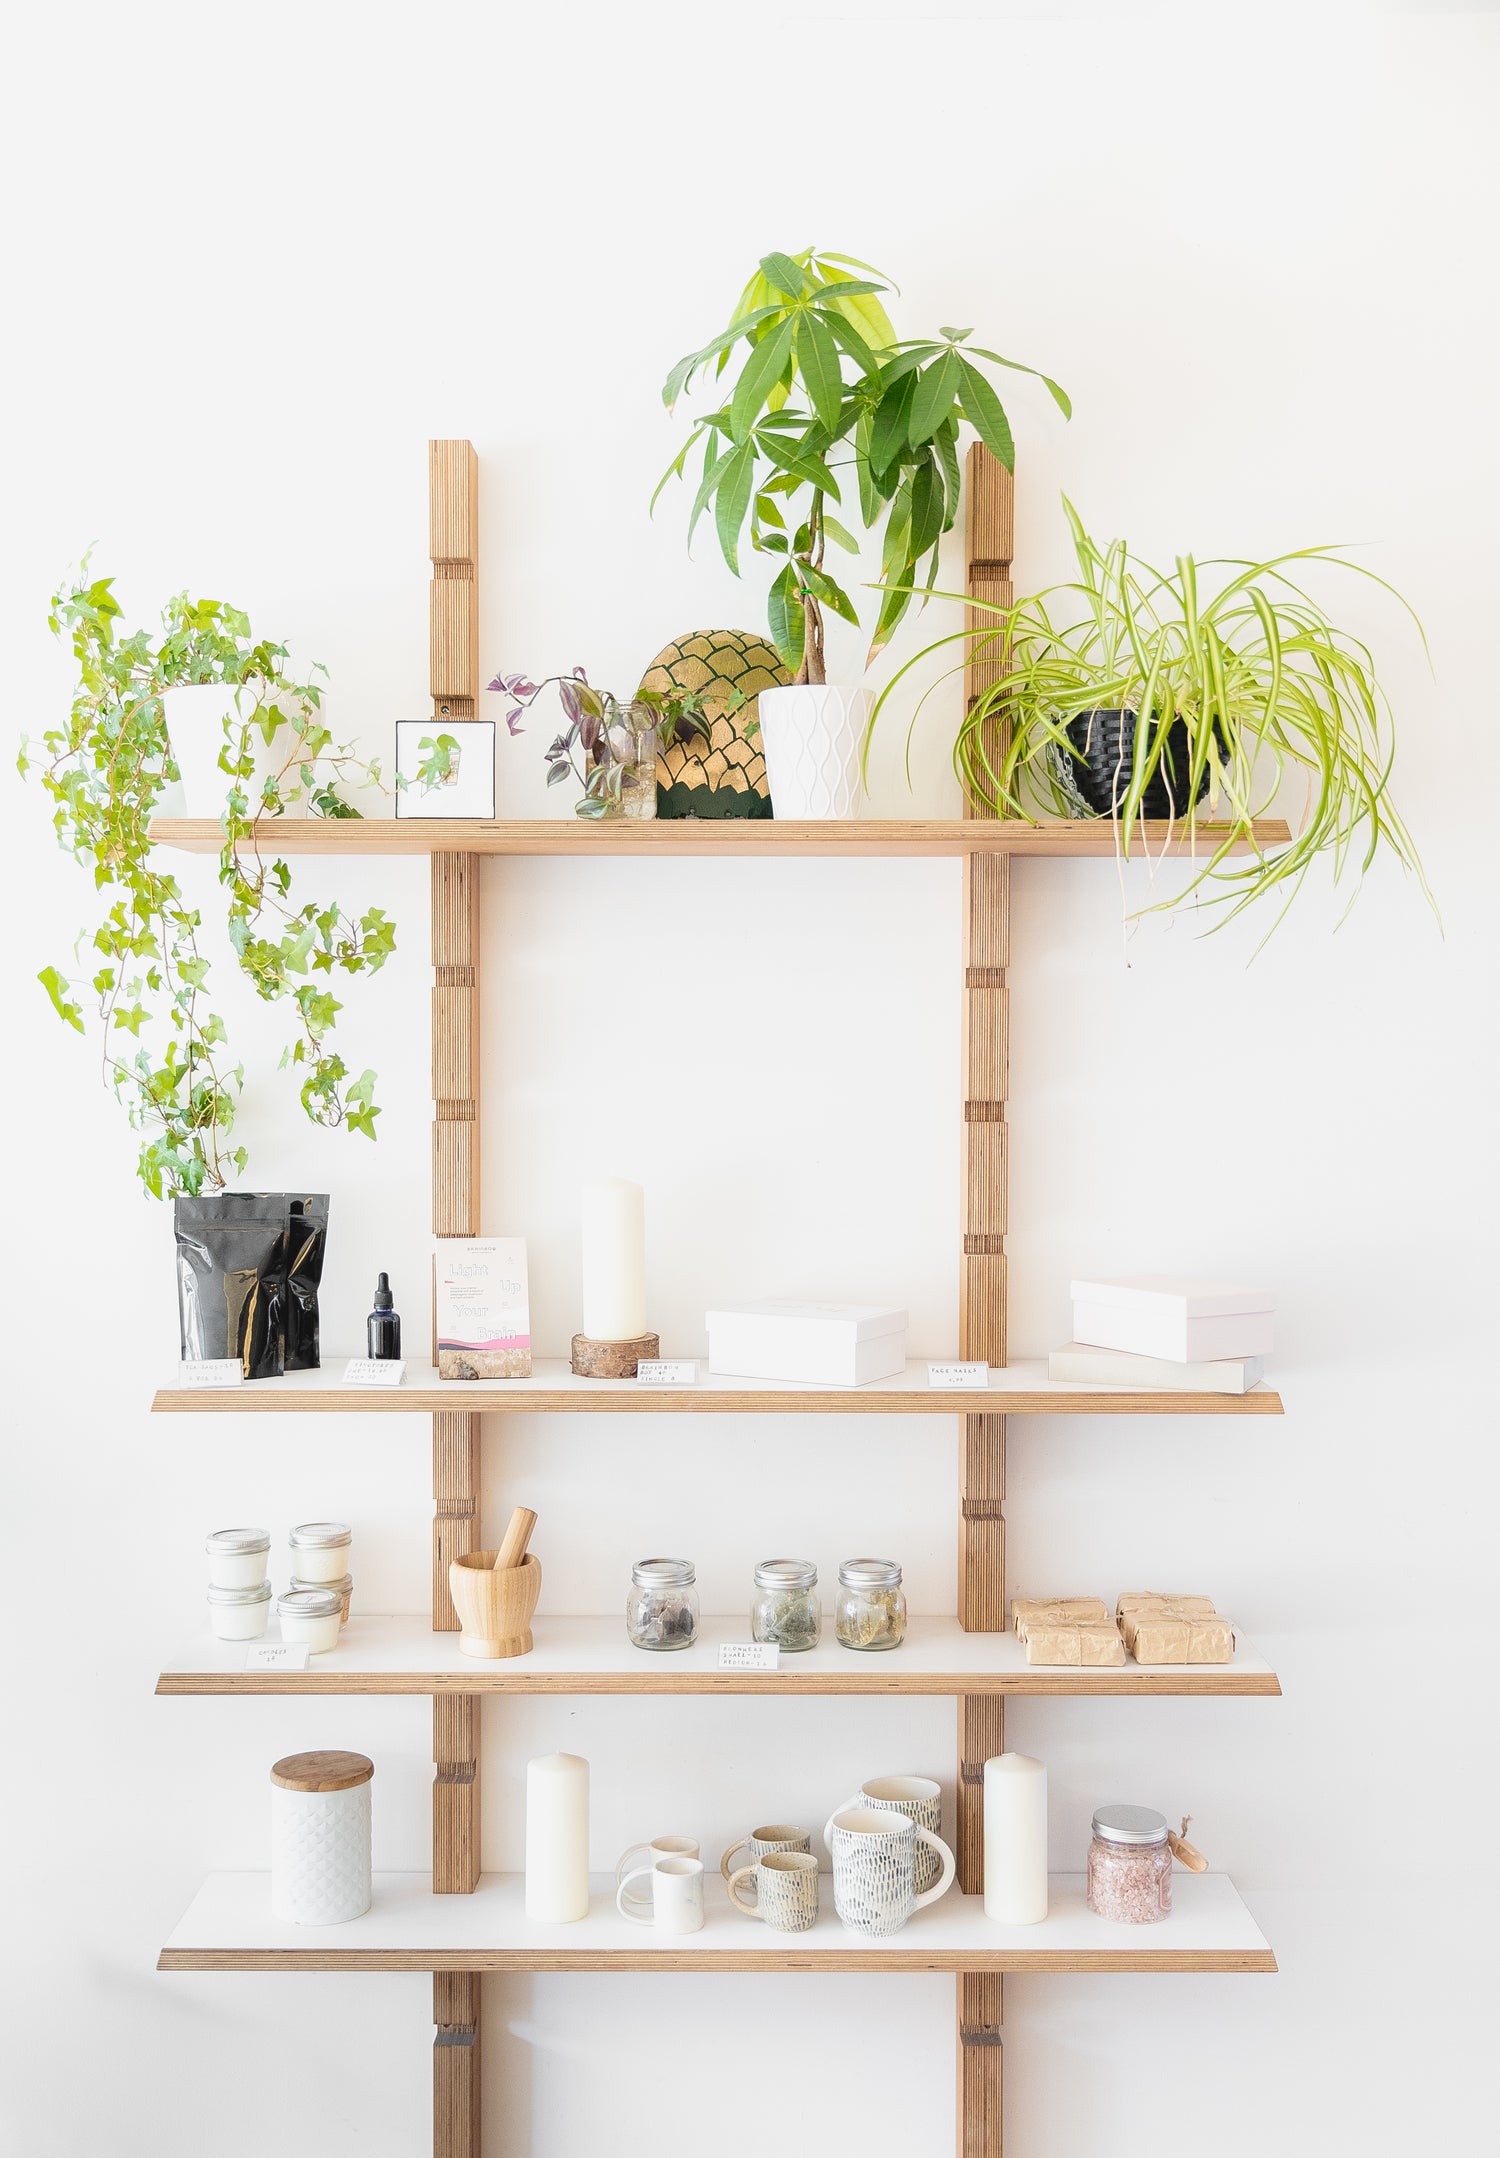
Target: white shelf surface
1014,1390
229,1927
594,1656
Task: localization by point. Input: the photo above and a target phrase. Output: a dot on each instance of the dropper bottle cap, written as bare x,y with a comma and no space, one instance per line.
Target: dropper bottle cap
383,1293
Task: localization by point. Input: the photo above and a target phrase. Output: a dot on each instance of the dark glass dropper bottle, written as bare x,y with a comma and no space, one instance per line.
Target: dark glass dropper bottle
383,1327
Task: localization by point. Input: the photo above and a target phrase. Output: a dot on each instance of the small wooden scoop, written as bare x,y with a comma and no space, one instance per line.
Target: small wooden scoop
1185,1853
517,1536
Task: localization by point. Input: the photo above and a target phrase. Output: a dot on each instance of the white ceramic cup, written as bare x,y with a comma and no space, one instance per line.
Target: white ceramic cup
676,1890
874,1868
921,1800
641,1855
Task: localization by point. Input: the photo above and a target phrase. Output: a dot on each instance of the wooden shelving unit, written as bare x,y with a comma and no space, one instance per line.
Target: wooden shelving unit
457,1923
229,1927
593,1655
1016,1390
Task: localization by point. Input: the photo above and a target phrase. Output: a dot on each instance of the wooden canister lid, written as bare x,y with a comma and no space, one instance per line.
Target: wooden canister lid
321,1771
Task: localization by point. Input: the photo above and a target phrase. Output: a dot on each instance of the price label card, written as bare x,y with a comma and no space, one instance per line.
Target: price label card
374,1371
958,1374
667,1371
211,1371
276,1656
749,1656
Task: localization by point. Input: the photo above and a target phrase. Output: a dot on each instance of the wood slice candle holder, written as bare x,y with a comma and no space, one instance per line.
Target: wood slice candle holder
612,1359
494,1604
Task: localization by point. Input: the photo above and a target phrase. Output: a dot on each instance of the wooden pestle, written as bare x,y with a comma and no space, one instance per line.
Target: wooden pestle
517,1536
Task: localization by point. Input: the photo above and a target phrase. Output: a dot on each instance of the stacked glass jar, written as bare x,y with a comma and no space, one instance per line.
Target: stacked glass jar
313,1610
239,1594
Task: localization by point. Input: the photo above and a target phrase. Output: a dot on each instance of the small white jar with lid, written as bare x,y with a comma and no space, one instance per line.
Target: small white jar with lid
320,1550
239,1614
311,1616
320,1838
344,1589
237,1557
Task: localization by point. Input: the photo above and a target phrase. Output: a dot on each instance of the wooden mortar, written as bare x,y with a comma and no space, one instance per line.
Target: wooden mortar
494,1606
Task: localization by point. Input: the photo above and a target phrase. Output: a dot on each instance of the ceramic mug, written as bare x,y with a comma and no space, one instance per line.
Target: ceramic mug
676,1893
778,1836
921,1800
786,1890
875,1868
646,1854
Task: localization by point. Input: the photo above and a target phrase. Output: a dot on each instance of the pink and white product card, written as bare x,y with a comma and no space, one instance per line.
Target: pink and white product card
483,1316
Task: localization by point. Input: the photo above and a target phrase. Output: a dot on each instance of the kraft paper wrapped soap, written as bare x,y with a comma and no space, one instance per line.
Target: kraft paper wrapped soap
1174,1629
1088,1645
1061,1610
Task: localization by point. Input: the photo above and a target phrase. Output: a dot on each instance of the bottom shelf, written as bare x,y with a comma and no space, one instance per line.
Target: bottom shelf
229,1927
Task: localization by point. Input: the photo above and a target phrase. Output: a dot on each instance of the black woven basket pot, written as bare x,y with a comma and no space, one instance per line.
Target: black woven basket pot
1105,742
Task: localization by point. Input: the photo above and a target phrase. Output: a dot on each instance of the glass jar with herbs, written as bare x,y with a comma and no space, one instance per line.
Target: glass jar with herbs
785,1609
871,1608
661,1611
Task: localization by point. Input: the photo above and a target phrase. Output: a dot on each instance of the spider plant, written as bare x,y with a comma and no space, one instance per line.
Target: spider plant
1235,665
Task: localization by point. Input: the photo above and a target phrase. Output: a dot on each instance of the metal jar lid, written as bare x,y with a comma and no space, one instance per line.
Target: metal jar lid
260,1594
870,1574
663,1573
786,1574
235,1543
320,1536
316,1588
1130,1824
310,1603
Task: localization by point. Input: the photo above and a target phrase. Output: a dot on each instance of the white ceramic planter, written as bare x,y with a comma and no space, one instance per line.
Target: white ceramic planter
810,736
195,716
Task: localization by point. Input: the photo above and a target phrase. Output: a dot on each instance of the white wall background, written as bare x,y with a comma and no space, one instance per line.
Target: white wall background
257,257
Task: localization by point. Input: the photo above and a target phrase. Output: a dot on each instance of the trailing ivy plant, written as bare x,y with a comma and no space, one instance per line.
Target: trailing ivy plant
828,398
164,1051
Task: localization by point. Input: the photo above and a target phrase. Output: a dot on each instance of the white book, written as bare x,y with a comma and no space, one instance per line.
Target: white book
1076,1364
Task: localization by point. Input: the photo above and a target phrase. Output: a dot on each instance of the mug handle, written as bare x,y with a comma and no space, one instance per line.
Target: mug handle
741,1843
842,1807
741,1873
637,1917
628,1861
942,1886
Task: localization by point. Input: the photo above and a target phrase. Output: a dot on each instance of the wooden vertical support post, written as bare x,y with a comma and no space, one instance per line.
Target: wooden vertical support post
982,1315
453,507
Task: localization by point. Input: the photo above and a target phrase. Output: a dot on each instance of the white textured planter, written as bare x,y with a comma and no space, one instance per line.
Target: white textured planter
810,735
195,716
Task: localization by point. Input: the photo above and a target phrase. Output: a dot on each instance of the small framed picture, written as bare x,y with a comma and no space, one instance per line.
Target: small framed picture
445,768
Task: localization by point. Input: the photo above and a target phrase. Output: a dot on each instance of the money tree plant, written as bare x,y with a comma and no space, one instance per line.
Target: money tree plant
164,1051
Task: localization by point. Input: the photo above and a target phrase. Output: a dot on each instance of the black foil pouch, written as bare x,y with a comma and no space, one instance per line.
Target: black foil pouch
307,1235
231,1278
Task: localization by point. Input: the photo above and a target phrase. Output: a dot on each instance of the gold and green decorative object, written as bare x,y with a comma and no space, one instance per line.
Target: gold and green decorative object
725,670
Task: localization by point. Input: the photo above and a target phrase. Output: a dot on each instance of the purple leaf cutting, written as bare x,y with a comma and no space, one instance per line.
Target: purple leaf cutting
513,719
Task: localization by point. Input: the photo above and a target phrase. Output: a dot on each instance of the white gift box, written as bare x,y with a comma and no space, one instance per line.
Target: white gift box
1166,1315
813,1344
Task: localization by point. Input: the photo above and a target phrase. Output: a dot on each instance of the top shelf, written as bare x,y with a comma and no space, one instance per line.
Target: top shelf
1090,838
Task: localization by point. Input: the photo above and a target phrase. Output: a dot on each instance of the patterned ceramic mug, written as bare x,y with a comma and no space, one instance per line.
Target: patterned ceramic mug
786,1890
776,1836
921,1800
875,1865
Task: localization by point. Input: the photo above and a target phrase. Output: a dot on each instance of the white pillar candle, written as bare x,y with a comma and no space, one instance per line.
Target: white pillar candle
1015,1840
614,1260
557,1838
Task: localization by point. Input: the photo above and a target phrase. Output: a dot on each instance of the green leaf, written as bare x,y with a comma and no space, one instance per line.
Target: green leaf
818,358
932,400
927,503
714,469
823,588
57,990
985,413
1059,395
839,534
733,500
757,376
783,275
888,432
788,624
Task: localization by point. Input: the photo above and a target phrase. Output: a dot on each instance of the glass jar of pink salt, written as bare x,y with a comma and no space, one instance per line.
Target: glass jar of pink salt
1130,1866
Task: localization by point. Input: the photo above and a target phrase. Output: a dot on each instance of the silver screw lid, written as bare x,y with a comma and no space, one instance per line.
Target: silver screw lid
663,1573
870,1573
234,1543
320,1536
310,1603
260,1594
339,1588
786,1574
1130,1824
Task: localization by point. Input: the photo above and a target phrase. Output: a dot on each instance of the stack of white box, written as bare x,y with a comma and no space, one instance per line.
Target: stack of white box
1165,1331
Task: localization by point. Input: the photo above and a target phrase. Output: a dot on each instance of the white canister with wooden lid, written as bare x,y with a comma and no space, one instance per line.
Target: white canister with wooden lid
320,1838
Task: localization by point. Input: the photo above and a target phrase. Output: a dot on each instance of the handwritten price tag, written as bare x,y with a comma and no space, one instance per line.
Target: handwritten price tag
277,1656
374,1371
211,1371
749,1656
958,1374
667,1371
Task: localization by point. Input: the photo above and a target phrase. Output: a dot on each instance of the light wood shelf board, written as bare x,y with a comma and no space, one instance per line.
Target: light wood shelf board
1019,1389
727,838
229,1927
594,1656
